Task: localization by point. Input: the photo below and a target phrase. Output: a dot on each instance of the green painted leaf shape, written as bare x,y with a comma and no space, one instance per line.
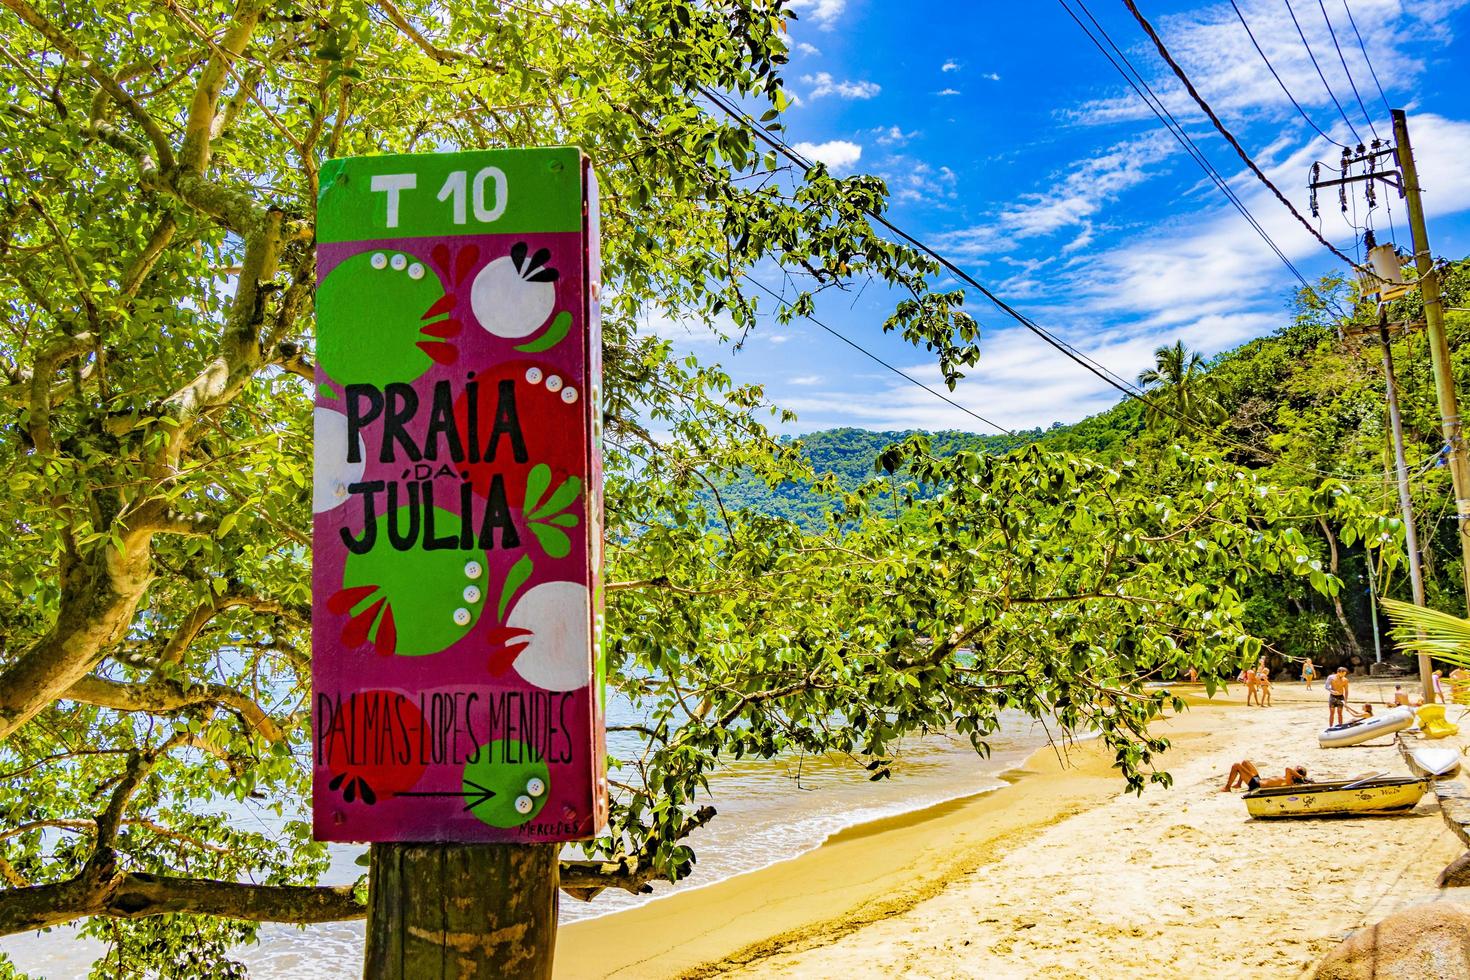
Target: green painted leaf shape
553,336
565,520
514,579
536,483
563,496
553,541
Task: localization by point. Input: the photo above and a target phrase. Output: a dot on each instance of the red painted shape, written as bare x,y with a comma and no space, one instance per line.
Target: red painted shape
444,328
355,633
342,602
387,639
555,428
441,352
376,740
502,660
464,262
441,306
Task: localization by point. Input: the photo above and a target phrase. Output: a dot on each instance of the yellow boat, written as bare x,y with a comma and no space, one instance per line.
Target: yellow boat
1344,798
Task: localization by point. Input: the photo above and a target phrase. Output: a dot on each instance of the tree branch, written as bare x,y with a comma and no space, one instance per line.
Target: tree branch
199,128
59,351
91,66
132,895
159,695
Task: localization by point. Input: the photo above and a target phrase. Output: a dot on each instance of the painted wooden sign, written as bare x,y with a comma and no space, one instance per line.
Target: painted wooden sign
457,666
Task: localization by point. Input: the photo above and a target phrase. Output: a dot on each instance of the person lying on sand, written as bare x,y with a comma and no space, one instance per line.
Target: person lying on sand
1244,773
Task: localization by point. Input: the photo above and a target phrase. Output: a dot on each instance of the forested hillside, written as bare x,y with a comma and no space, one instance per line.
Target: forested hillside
1299,406
848,456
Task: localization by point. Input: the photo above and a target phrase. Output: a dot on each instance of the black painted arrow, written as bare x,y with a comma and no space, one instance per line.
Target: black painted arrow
480,795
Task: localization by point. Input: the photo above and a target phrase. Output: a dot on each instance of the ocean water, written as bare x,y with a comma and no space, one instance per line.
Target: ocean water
769,811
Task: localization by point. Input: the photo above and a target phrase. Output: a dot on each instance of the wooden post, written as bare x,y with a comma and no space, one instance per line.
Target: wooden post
462,912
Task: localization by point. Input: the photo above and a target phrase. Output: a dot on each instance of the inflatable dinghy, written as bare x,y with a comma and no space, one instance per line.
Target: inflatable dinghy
1393,720
1440,763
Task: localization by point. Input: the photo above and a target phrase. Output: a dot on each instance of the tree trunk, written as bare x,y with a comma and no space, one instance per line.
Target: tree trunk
462,911
1347,627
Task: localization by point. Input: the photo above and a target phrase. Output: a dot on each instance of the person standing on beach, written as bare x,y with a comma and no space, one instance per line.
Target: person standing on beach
1309,672
1248,678
1263,684
1337,693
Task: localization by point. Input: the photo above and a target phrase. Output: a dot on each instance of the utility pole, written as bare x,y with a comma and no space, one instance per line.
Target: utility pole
1406,503
1383,277
1380,332
1439,348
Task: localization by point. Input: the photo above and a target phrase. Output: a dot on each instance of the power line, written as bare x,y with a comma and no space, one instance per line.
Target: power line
1331,94
1363,48
1067,350
869,354
1274,75
1230,137
1345,70
1159,109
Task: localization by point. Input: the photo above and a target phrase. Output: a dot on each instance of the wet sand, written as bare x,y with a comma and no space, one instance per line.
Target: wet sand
1063,875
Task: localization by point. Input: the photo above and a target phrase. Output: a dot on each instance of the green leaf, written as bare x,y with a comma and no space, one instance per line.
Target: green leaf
514,579
536,483
553,541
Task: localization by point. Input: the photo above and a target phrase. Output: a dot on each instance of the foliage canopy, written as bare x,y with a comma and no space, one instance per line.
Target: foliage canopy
156,272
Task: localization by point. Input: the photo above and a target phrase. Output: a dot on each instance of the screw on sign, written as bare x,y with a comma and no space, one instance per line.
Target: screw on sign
457,675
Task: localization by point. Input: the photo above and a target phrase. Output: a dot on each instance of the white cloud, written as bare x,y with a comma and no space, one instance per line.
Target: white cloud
950,65
808,49
990,76
1070,203
684,330
1218,55
805,380
836,154
824,84
914,180
893,135
824,12
948,91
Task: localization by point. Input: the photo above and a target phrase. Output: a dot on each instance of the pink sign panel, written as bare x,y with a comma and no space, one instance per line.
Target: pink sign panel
457,666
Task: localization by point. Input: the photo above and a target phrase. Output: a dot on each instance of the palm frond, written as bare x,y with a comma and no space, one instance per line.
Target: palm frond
1421,630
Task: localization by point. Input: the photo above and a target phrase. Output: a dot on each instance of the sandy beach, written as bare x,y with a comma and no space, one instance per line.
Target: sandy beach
1063,875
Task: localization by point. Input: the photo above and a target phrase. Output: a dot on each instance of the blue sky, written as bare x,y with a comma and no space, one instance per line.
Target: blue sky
1009,142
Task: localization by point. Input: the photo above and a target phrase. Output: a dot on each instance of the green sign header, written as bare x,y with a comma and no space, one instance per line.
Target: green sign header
422,195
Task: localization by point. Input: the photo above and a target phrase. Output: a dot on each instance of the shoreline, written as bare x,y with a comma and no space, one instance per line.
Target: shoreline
751,915
1060,872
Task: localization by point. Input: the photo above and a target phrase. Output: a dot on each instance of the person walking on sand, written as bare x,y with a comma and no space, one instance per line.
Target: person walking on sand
1337,694
1263,684
1309,672
1244,773
1248,678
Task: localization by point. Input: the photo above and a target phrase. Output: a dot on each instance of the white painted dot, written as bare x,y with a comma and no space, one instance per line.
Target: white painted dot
472,594
524,804
461,617
553,383
415,271
533,375
535,786
398,262
472,569
569,395
379,260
